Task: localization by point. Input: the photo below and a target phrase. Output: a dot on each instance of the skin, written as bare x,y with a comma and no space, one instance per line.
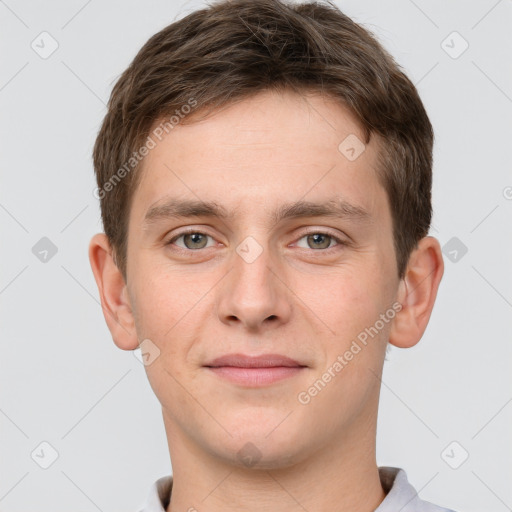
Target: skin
301,298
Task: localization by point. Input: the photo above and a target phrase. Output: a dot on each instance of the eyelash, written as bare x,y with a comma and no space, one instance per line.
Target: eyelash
195,231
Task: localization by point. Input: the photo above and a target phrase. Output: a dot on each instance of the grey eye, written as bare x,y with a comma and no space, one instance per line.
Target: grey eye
319,241
194,240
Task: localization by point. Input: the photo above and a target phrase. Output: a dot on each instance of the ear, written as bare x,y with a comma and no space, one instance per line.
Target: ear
113,292
417,293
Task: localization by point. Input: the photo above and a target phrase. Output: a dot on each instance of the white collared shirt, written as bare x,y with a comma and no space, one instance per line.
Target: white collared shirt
401,495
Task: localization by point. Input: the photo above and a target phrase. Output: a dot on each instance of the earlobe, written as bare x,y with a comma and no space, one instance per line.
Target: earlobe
417,293
113,292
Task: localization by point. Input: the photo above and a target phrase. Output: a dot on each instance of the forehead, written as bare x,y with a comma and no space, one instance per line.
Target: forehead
267,149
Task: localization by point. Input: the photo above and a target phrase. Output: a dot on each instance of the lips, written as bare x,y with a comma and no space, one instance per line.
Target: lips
254,371
261,361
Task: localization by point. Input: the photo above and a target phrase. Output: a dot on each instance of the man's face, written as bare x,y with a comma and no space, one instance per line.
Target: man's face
264,279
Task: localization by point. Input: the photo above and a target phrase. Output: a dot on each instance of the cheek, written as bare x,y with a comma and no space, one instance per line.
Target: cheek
347,298
163,304
174,314
349,304
166,317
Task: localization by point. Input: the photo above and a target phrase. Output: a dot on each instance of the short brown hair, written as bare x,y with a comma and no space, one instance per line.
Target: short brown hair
234,49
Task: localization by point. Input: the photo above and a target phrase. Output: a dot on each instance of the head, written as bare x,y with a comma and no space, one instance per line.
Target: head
294,147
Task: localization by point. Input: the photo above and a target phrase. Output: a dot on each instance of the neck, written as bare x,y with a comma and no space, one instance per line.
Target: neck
342,476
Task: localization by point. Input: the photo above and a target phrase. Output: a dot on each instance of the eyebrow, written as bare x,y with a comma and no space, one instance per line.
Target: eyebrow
183,208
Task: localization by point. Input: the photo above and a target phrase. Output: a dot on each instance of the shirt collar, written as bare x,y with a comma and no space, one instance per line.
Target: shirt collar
400,494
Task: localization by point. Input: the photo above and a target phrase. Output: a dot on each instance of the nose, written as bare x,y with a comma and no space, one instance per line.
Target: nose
254,294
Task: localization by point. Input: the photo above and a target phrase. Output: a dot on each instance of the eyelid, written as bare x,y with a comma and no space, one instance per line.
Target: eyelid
310,231
323,231
188,231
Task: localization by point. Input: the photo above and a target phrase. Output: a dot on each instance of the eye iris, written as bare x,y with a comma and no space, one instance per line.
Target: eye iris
196,240
315,238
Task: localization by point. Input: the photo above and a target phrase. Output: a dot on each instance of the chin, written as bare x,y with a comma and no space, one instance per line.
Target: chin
259,447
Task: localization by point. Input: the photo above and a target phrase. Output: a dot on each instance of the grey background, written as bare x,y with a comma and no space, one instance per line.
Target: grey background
64,382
